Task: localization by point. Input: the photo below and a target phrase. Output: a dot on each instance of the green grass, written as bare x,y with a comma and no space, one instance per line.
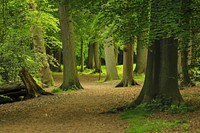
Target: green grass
137,77
139,122
58,90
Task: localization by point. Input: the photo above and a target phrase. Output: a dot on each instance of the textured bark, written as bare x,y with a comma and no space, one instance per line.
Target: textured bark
90,60
70,75
33,89
39,47
111,69
127,79
161,73
141,61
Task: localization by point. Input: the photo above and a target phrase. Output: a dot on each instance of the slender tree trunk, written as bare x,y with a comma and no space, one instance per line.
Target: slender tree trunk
111,69
39,46
70,76
82,56
184,64
97,58
127,79
161,73
58,57
116,53
186,10
90,61
141,61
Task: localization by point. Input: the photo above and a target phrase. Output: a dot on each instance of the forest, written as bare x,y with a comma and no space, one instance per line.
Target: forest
111,66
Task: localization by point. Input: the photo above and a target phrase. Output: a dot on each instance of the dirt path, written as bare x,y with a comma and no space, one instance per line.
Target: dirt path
69,112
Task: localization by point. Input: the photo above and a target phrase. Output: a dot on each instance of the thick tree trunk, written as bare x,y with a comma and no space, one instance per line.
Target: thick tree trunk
127,79
39,47
90,60
161,73
141,60
111,69
70,76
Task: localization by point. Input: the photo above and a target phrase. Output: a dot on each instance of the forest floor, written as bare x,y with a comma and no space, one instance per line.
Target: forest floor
83,111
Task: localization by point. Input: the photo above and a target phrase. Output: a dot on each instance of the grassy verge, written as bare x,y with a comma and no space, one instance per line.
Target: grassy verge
140,122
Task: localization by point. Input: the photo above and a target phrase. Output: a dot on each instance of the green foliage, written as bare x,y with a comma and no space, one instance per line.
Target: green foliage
16,48
56,90
182,108
165,104
6,97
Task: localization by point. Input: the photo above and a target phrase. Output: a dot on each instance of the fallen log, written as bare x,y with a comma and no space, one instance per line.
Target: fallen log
12,92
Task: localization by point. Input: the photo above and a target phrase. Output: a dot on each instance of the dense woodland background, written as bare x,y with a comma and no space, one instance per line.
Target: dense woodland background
161,37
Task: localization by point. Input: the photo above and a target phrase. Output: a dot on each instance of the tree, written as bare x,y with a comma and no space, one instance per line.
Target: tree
70,75
141,60
39,47
161,74
111,69
185,40
127,79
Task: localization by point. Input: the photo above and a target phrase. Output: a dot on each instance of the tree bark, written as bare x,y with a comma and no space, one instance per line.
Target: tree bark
161,73
70,76
90,60
82,56
97,58
127,79
33,89
111,69
141,61
39,47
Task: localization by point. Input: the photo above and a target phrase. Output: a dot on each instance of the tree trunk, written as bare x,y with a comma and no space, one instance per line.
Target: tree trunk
116,53
39,47
111,69
70,76
33,89
127,79
161,73
141,61
97,58
82,56
184,64
28,89
90,61
186,19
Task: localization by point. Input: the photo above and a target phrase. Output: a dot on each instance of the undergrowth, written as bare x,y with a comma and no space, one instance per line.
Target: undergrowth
139,120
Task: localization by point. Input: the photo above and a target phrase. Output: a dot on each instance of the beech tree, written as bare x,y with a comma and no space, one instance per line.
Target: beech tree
161,74
70,75
39,47
111,69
